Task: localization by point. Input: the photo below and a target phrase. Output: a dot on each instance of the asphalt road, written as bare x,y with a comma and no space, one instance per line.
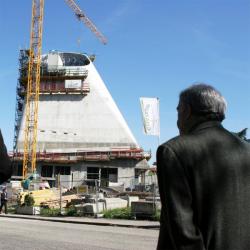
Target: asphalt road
25,234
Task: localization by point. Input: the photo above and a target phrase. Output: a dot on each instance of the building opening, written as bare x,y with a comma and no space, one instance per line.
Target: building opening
104,175
47,171
108,175
62,170
92,173
17,170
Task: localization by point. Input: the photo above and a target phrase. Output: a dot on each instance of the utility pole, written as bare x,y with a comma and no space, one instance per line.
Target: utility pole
96,197
60,191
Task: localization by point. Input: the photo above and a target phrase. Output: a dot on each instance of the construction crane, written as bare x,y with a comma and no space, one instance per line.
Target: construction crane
33,84
82,17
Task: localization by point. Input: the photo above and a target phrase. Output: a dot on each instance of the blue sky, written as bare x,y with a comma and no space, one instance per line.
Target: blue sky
155,49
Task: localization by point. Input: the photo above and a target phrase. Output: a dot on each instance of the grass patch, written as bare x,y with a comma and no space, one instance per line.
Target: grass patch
11,209
125,213
50,212
118,213
54,212
71,211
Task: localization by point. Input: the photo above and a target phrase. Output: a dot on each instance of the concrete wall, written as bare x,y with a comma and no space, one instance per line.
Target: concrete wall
125,176
79,172
125,171
67,123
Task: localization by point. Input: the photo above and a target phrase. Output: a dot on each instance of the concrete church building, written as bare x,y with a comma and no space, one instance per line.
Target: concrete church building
81,132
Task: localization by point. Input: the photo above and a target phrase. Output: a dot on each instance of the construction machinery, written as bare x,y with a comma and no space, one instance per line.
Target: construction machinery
33,82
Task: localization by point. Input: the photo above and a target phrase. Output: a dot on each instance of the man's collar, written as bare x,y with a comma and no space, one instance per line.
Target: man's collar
204,125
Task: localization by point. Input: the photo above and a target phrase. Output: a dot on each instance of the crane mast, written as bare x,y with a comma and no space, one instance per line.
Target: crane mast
33,83
82,16
33,87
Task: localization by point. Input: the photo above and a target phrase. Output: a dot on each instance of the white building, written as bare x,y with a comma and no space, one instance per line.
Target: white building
81,132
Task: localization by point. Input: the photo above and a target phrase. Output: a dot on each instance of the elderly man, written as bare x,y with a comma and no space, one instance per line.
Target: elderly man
204,178
5,164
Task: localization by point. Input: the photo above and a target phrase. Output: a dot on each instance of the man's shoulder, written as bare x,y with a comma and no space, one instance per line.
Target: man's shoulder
172,141
178,141
193,140
172,146
210,136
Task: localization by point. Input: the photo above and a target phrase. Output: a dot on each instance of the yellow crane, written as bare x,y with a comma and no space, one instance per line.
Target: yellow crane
33,83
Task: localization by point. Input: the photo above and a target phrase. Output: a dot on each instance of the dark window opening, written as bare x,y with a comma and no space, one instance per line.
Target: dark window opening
62,170
17,170
92,173
47,171
109,174
72,59
52,183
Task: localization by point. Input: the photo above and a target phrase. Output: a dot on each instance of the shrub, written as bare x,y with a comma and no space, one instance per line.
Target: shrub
29,200
71,211
50,212
118,213
125,213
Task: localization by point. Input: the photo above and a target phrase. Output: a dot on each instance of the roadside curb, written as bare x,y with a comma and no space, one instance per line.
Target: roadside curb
92,222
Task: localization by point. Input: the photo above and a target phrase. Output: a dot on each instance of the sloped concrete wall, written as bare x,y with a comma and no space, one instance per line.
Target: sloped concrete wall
71,122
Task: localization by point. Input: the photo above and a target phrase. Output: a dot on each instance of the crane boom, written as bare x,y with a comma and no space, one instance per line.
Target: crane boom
81,16
33,88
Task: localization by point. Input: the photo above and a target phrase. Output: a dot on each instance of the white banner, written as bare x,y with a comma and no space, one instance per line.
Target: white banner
150,115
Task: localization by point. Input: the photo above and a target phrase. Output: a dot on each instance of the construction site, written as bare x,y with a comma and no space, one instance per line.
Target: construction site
70,137
81,133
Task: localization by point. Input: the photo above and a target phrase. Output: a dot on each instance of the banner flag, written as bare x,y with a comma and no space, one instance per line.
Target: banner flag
150,115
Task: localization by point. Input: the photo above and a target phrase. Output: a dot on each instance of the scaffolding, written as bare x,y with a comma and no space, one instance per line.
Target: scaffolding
80,156
20,90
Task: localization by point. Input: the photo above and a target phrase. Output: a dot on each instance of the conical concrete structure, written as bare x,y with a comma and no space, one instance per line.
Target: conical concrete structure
79,124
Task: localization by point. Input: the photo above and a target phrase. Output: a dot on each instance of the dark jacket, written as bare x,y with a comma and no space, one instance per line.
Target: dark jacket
204,183
5,163
4,196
